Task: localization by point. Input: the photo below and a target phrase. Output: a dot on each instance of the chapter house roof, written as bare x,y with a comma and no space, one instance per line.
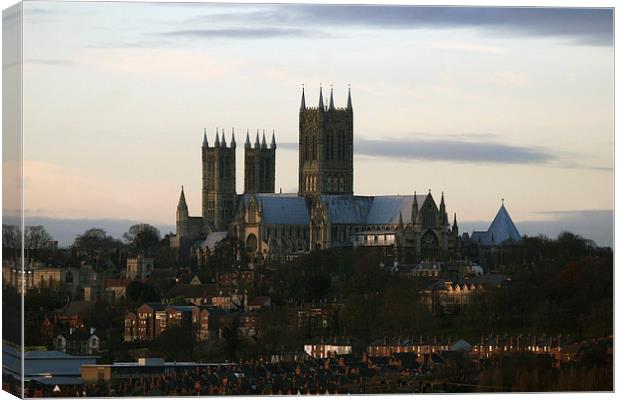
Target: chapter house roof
501,230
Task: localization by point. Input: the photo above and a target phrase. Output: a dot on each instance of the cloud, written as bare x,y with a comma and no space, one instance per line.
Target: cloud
580,26
241,33
469,47
453,150
584,26
448,149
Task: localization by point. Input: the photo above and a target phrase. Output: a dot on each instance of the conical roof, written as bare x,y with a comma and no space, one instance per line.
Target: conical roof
502,228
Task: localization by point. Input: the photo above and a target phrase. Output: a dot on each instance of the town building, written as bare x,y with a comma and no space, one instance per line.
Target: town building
139,267
328,347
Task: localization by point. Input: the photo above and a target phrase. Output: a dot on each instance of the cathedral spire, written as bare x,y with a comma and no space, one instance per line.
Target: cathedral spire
321,106
233,143
273,140
205,142
349,106
247,139
257,141
331,98
217,137
223,138
263,144
182,202
303,99
454,223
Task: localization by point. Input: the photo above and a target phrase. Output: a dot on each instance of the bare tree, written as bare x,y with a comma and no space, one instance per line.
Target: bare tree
36,238
11,240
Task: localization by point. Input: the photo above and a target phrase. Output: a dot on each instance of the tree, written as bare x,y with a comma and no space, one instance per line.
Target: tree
138,292
36,238
230,334
11,240
174,343
95,242
143,239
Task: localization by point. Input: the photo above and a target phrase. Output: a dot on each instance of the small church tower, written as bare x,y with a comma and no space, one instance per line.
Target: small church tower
260,165
325,147
218,182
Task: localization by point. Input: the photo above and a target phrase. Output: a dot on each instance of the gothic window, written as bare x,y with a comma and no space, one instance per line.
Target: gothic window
252,213
251,243
429,245
327,146
329,183
305,144
341,184
315,152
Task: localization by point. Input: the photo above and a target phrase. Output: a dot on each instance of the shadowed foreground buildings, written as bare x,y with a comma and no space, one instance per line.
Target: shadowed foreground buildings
323,214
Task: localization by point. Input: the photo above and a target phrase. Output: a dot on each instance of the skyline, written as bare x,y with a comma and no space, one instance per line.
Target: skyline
510,99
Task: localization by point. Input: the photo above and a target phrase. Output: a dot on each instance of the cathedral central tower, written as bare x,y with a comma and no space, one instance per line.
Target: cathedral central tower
325,147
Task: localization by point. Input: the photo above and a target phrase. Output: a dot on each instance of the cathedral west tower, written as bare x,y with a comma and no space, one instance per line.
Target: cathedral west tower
218,183
325,148
260,165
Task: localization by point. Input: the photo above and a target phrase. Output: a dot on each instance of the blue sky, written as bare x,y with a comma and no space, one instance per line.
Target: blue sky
480,103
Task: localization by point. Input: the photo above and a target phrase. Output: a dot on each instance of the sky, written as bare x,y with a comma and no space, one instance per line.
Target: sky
482,104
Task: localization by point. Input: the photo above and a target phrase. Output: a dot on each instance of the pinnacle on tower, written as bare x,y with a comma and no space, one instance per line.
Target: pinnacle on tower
349,106
273,140
414,208
257,141
263,144
247,144
331,99
217,137
205,142
303,99
233,143
454,223
443,203
321,106
223,138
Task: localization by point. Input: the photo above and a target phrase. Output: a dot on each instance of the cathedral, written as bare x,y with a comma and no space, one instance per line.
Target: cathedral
324,213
